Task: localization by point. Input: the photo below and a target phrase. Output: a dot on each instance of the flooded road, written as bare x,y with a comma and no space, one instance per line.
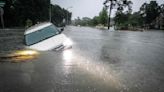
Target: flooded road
99,61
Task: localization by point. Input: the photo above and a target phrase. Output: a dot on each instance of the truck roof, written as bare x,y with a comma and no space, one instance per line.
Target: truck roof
37,27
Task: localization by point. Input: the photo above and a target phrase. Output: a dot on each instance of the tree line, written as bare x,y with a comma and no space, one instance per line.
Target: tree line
103,19
100,19
149,16
18,13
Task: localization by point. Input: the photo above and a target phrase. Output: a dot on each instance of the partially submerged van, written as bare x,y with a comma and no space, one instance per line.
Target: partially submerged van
45,36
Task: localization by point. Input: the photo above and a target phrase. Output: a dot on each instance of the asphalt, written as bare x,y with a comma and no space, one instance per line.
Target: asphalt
99,61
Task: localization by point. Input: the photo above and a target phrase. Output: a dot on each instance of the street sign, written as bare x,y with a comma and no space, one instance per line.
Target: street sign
2,4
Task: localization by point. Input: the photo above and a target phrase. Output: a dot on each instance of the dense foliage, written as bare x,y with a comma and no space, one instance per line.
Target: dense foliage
59,15
150,16
144,18
18,12
101,19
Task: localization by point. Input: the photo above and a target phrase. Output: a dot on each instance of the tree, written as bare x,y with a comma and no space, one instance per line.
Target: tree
59,14
103,16
95,21
126,20
101,19
122,20
85,21
17,12
149,12
162,8
9,14
120,4
135,19
77,21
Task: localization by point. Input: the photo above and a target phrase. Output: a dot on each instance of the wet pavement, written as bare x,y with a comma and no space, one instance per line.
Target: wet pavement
100,61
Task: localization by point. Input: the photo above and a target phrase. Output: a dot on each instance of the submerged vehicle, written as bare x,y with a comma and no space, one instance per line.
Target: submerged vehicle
46,36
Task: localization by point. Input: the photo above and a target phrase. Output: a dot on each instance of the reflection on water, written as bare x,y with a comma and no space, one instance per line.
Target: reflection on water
99,72
26,52
22,55
67,55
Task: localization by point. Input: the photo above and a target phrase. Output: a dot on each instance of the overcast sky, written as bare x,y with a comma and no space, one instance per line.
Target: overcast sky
91,8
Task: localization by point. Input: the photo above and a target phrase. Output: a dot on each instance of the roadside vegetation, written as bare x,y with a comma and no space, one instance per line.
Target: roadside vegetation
97,20
150,16
22,13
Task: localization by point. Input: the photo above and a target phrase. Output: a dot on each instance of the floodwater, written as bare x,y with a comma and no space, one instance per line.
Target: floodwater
99,61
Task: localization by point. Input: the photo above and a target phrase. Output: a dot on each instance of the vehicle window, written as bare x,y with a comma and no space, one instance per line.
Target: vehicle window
41,35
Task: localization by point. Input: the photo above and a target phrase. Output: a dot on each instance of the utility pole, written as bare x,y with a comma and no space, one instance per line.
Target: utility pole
2,20
110,10
67,20
50,12
1,13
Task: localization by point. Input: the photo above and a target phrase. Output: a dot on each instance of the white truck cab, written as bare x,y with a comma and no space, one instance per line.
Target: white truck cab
45,36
